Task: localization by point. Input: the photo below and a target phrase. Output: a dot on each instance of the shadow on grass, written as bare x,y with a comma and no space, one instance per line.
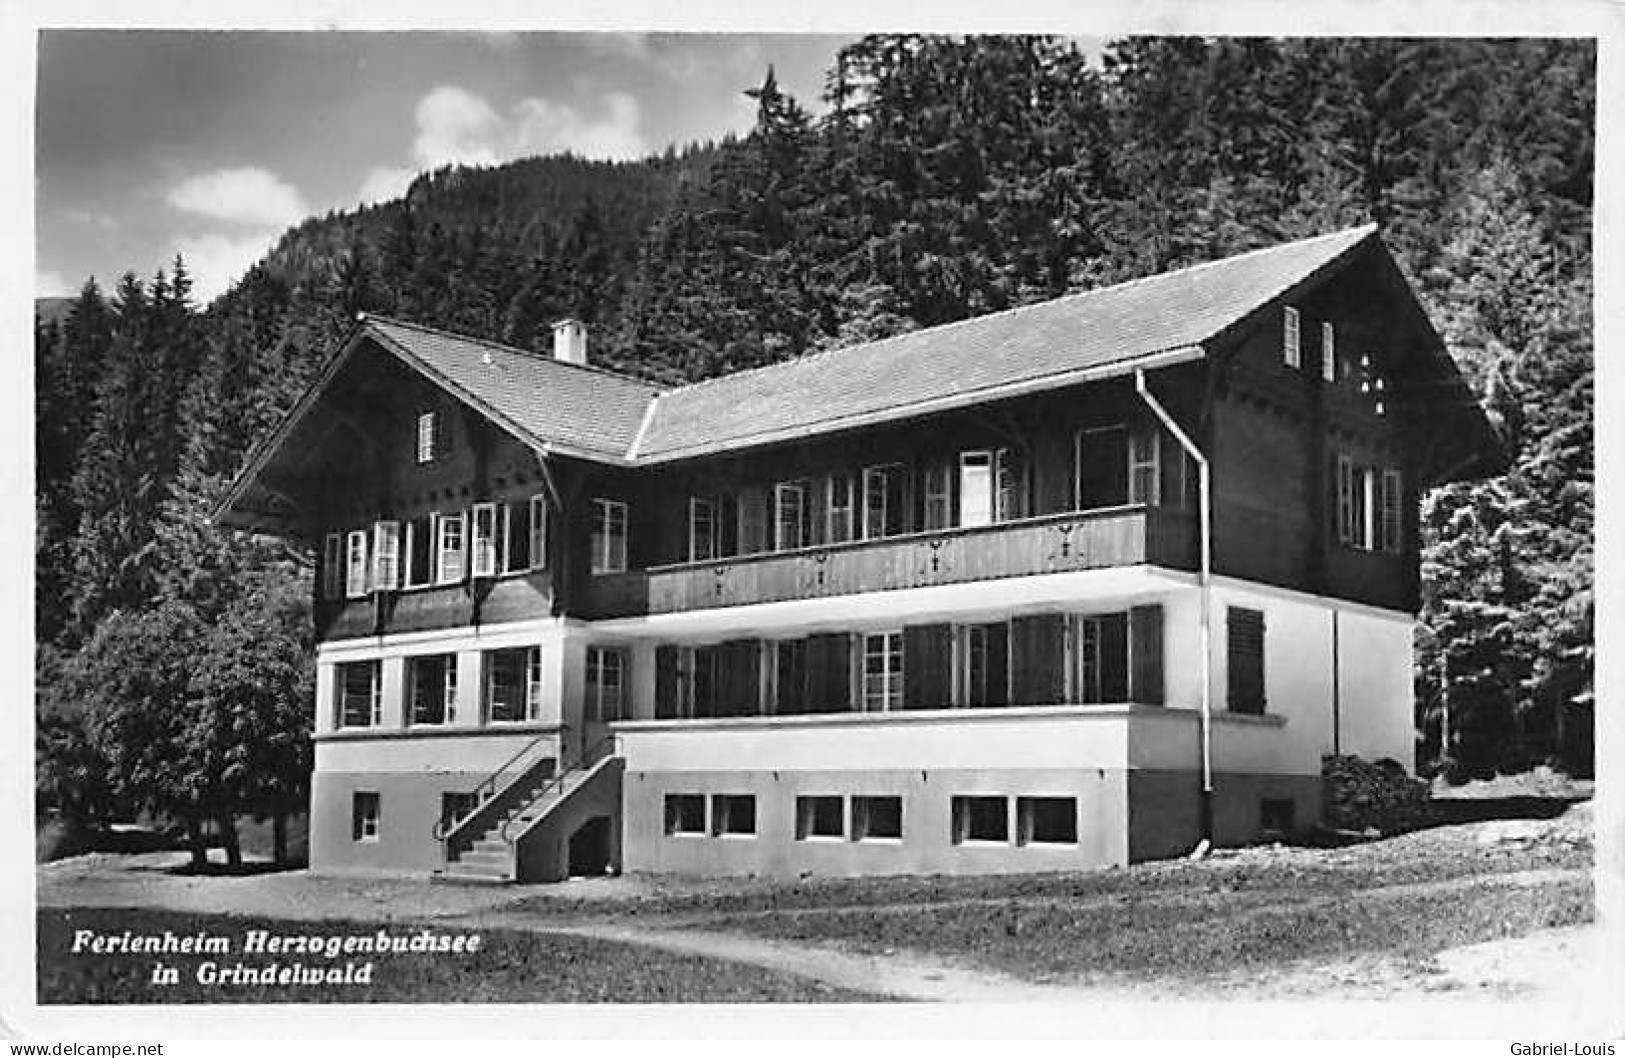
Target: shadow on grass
241,870
1448,811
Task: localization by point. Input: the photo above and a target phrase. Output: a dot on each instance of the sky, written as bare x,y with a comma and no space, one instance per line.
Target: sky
210,144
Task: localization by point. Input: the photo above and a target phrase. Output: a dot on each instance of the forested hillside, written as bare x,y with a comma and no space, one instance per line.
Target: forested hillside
947,177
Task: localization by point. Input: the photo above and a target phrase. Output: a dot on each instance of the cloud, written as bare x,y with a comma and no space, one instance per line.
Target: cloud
384,183
247,195
51,285
216,261
455,125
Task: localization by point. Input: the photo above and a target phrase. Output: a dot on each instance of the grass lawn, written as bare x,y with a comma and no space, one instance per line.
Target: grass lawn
1198,938
510,967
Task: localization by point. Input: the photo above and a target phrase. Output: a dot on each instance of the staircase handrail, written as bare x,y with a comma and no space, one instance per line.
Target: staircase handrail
589,760
488,786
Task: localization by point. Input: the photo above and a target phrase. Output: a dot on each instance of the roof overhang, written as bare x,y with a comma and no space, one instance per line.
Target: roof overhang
257,502
949,402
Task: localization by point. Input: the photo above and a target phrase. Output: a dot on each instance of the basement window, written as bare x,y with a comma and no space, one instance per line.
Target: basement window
981,819
733,814
1047,820
685,814
819,817
364,816
877,818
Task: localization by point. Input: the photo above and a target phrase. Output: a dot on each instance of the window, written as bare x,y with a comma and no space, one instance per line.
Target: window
450,565
355,567
361,702
485,540
605,668
513,684
386,556
419,551
819,817
1047,820
877,818
513,536
1144,468
364,815
733,814
428,437
608,536
1010,481
685,814
980,819
790,515
1244,634
986,665
1370,507
454,806
432,686
789,677
840,508
938,490
882,501
1328,352
1102,653
333,566
882,672
1290,350
976,488
702,529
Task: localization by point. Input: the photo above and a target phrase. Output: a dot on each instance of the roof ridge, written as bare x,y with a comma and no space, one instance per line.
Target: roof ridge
531,354
1364,229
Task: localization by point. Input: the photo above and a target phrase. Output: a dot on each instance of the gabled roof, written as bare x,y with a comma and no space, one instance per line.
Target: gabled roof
602,416
571,408
1053,343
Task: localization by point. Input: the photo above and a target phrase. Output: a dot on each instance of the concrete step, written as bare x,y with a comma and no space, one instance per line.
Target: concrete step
465,869
490,845
476,858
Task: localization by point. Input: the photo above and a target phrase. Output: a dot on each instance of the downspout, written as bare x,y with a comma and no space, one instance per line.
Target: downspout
1205,517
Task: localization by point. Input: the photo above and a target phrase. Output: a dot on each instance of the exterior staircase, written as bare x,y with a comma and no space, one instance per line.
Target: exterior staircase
523,832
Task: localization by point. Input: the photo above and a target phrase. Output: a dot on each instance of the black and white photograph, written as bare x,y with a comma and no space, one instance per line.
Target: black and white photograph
847,520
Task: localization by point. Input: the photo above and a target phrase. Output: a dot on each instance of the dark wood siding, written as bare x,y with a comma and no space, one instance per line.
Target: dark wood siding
740,677
829,672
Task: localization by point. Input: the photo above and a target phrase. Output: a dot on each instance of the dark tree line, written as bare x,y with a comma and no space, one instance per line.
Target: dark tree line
945,177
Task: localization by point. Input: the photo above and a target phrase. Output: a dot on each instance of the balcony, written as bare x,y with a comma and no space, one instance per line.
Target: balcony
1055,543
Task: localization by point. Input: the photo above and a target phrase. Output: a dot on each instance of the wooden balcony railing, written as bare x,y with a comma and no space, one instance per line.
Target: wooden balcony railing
1057,543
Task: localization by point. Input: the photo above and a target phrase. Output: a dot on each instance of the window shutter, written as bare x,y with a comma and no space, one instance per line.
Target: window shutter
1393,506
928,666
332,566
1328,352
386,555
818,510
829,673
1038,653
998,664
1244,635
752,520
1291,352
1345,500
740,678
1145,655
665,682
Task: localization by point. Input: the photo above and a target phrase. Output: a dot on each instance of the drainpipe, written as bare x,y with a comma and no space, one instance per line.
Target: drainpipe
1205,514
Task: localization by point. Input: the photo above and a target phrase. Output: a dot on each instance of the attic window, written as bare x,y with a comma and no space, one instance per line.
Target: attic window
1291,352
428,436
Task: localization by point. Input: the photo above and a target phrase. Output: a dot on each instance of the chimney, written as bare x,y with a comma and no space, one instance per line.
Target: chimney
570,341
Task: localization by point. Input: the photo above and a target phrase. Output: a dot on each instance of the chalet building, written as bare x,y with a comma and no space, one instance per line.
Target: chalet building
1070,585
